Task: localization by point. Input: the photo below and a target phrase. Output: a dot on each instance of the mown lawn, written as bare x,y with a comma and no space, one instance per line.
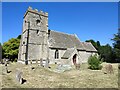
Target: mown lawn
43,78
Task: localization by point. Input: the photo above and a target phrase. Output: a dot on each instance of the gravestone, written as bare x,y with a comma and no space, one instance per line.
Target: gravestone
41,62
19,76
61,68
77,66
47,63
6,68
44,63
109,69
4,60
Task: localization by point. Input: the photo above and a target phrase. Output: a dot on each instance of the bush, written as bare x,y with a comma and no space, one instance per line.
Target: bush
94,63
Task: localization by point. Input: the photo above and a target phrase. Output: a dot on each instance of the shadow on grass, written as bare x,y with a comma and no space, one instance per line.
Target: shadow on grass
23,80
9,71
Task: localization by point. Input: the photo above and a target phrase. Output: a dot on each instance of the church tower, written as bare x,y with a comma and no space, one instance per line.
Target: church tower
33,45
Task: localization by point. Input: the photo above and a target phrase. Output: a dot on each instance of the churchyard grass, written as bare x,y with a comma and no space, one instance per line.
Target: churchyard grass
44,78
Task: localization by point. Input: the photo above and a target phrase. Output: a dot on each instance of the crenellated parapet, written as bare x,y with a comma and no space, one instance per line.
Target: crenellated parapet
30,9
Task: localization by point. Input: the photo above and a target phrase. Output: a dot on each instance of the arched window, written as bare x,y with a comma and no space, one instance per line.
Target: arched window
56,54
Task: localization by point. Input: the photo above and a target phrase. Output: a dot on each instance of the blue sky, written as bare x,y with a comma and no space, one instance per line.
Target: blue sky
89,20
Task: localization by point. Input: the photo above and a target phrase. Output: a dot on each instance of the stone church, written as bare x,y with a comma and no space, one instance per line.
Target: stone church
38,43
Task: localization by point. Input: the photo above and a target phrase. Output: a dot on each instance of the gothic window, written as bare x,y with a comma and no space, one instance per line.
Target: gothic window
56,54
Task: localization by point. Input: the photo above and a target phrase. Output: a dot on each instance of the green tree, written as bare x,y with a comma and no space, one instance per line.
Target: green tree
19,37
116,46
10,48
94,63
98,44
106,53
93,43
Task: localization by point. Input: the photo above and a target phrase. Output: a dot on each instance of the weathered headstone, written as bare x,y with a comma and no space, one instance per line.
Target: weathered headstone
44,62
4,60
6,68
47,63
41,62
30,61
61,68
36,61
77,66
19,76
109,69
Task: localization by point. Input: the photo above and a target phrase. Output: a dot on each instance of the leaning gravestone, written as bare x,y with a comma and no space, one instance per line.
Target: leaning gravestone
19,76
6,68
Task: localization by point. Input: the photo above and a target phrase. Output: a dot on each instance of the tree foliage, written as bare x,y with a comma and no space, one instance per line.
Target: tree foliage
106,52
94,63
94,43
116,45
10,48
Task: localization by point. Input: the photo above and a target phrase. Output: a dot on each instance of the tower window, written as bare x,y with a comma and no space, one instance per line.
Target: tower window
37,22
37,32
56,54
49,33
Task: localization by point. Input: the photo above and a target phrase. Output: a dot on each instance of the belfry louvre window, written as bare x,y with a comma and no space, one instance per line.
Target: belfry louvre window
56,54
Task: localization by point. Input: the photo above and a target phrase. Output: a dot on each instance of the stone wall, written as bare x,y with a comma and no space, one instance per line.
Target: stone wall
84,56
52,55
37,24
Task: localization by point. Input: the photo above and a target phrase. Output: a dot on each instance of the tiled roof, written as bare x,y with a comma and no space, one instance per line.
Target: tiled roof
63,40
